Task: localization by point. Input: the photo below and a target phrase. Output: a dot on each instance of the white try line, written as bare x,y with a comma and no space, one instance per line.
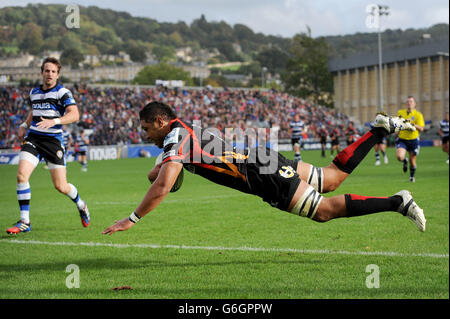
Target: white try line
219,248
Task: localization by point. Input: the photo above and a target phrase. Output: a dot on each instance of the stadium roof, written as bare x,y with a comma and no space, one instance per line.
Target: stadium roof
429,49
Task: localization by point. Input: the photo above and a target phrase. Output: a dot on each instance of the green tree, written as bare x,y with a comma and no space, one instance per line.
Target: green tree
253,68
51,43
136,50
55,30
149,74
70,41
72,57
242,32
227,49
30,38
273,58
307,74
163,53
176,39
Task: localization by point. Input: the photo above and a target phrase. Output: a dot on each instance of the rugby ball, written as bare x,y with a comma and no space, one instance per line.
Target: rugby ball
180,177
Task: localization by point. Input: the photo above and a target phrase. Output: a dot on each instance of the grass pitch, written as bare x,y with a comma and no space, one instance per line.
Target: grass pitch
208,241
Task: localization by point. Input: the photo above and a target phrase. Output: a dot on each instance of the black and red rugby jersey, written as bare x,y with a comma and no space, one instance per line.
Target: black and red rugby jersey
259,171
203,152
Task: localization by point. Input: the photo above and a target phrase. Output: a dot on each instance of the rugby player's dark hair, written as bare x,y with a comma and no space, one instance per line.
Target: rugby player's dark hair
154,109
55,61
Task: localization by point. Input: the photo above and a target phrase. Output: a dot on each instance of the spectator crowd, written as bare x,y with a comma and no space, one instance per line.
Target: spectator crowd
112,113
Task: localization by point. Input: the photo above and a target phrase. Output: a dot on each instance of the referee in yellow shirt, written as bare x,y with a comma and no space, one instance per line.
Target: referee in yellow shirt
408,141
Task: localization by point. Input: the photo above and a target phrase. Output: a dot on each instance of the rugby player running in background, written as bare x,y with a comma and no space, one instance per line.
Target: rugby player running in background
67,140
381,147
288,185
335,144
296,129
443,132
323,133
82,142
351,133
52,107
408,141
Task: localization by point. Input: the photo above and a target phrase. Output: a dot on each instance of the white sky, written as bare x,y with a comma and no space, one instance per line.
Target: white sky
278,17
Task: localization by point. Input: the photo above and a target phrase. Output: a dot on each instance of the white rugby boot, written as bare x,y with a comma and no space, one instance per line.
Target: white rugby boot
410,209
393,124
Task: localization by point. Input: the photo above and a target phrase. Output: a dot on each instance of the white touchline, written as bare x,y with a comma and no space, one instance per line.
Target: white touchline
257,249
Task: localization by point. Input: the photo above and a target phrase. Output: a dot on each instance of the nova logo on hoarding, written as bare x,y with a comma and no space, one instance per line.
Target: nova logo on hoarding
4,159
9,159
106,153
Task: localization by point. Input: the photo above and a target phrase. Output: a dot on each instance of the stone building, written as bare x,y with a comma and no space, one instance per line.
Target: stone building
421,71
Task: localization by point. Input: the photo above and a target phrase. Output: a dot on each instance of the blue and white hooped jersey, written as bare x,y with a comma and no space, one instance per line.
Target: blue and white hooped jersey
297,128
82,146
66,137
444,127
49,104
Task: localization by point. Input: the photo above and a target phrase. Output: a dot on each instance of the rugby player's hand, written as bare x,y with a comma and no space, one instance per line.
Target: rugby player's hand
45,123
153,174
21,134
120,225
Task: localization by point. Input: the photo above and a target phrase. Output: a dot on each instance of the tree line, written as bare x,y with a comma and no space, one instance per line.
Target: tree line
301,60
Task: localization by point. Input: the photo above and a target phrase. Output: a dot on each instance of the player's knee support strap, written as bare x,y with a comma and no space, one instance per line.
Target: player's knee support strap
315,178
308,203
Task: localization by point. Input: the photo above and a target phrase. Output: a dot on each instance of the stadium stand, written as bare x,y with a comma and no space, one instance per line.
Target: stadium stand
112,112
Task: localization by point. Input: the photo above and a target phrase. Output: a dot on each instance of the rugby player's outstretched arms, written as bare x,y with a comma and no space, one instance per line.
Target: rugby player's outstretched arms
167,176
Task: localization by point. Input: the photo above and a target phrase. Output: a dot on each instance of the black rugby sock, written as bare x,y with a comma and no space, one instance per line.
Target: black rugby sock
350,157
363,205
412,171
